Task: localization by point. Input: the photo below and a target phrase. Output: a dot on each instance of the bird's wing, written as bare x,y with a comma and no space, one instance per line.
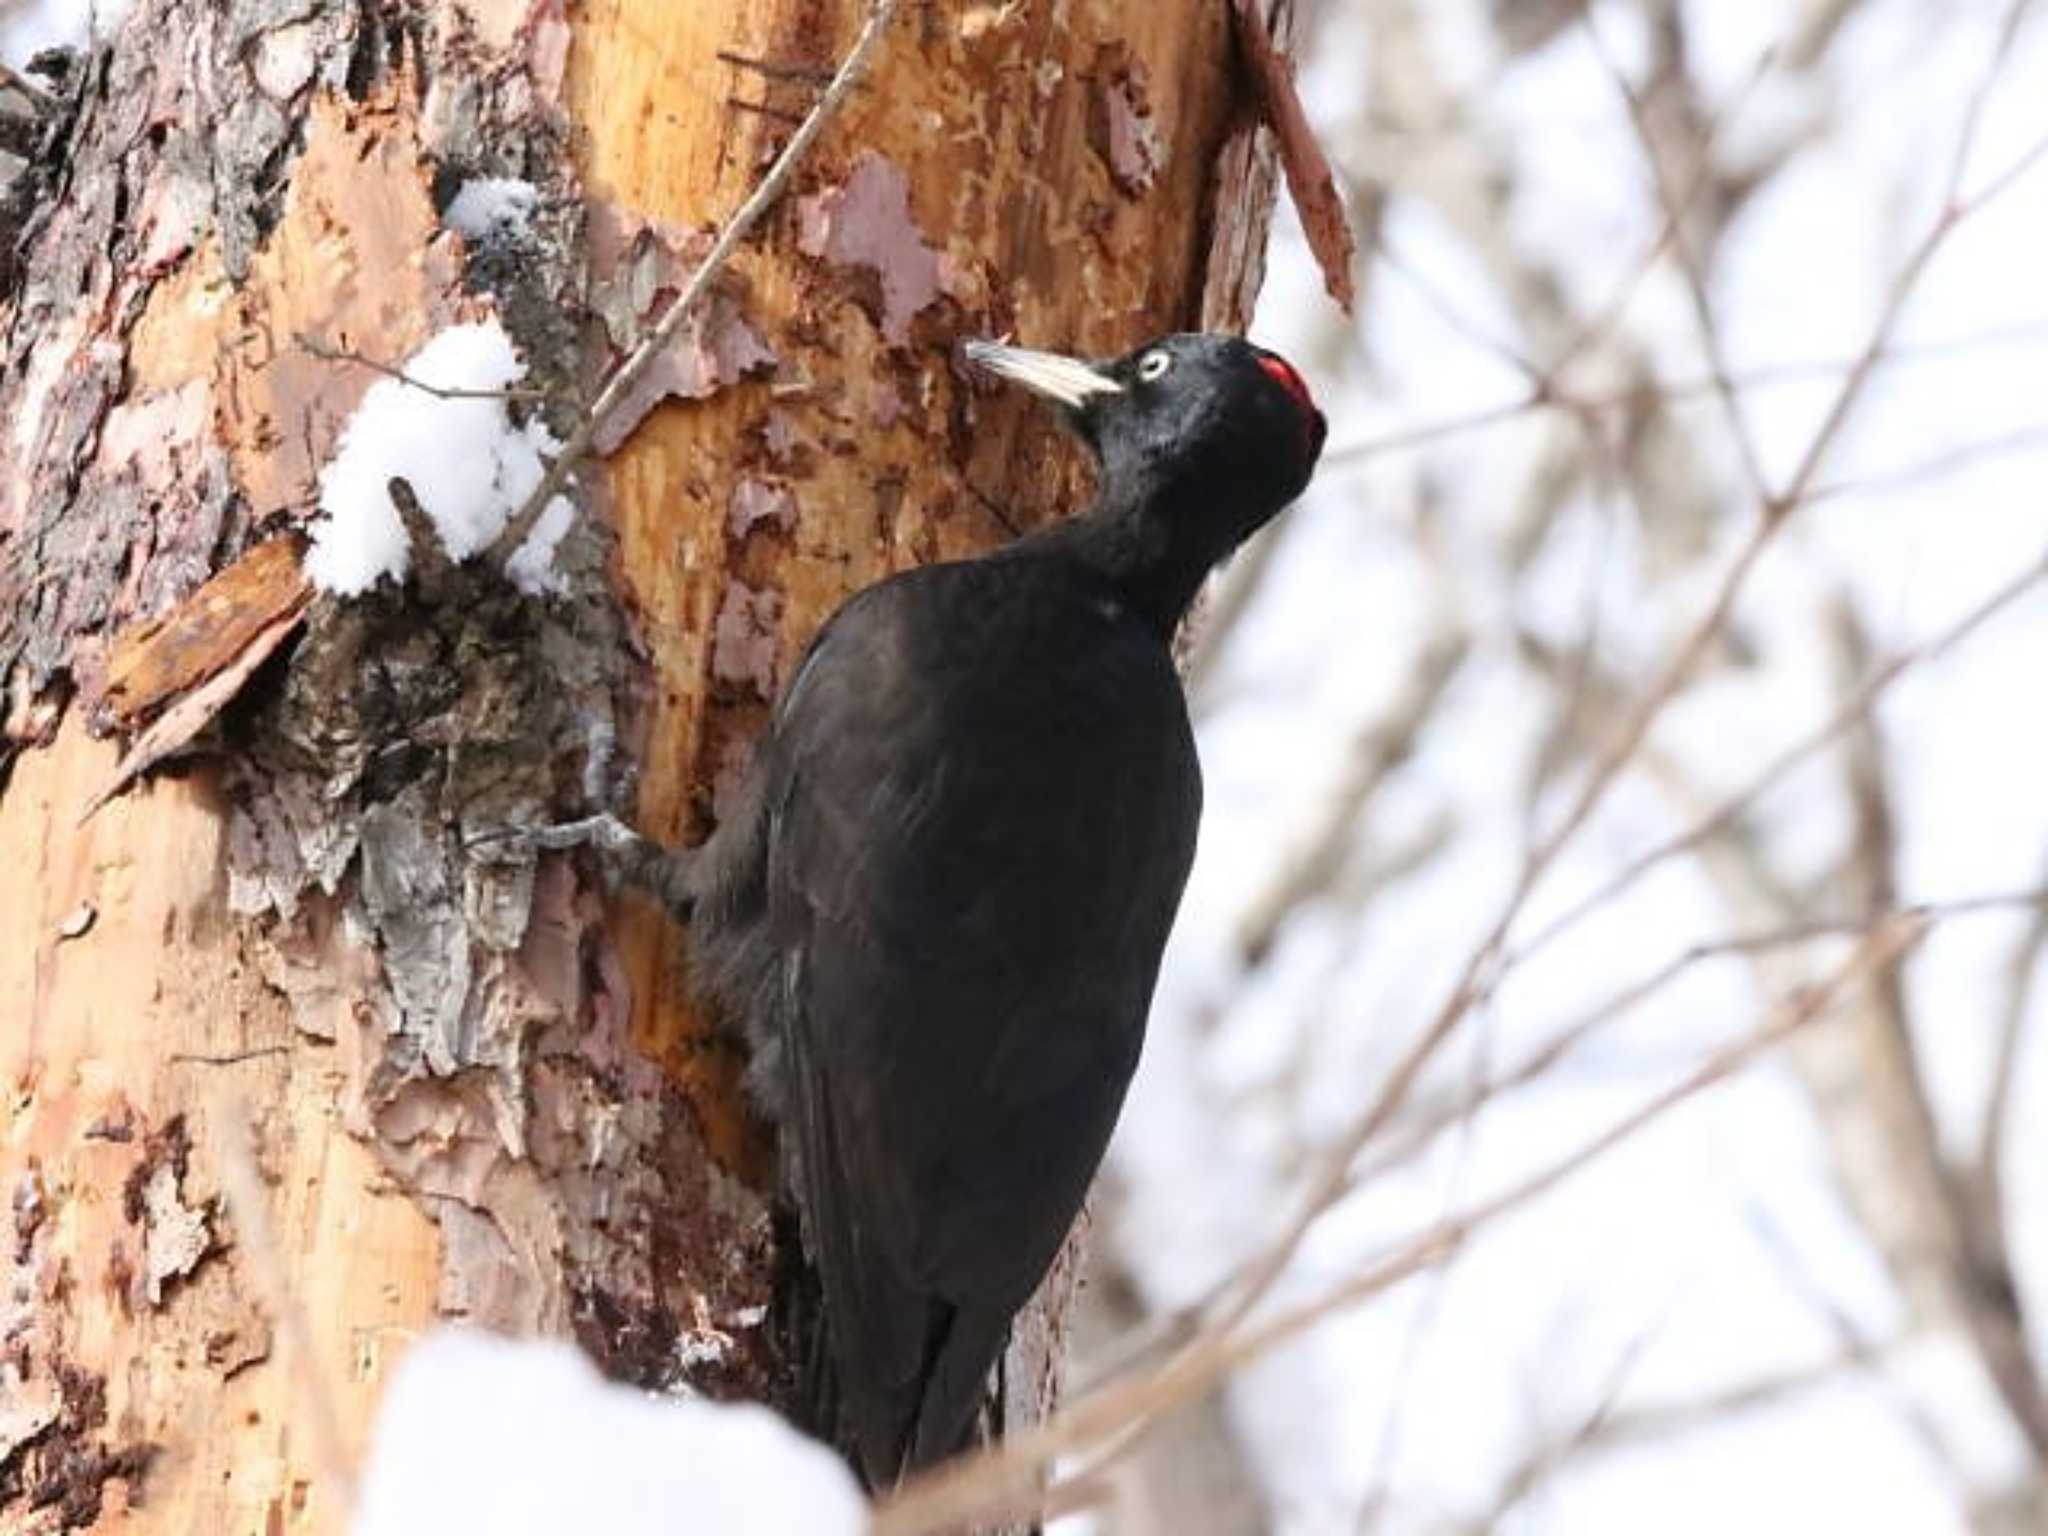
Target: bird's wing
982,804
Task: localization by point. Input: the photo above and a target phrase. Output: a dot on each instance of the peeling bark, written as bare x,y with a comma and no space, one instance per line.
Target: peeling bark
477,1086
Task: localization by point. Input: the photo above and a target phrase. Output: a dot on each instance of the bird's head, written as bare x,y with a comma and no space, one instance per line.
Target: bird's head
1203,413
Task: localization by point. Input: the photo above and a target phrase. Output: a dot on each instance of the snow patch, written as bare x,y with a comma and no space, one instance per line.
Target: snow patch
470,466
525,1439
532,564
492,208
30,28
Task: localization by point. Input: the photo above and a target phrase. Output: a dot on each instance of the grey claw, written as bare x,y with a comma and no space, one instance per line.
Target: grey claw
605,832
626,854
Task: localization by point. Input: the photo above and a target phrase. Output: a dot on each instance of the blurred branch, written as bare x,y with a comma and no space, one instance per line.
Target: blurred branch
1817,30
1678,391
1380,748
1194,1475
2021,973
1607,1427
1566,1039
1665,135
1854,1341
1444,160
1944,1245
1852,707
1974,1257
1483,966
1935,466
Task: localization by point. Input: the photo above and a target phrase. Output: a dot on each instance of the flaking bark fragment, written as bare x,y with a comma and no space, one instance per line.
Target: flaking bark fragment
760,503
746,638
636,266
1309,179
181,667
1121,129
176,1236
192,712
866,224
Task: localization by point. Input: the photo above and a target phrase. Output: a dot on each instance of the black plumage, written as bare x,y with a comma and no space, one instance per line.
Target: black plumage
938,907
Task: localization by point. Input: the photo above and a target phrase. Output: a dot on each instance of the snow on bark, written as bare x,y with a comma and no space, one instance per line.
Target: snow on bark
468,463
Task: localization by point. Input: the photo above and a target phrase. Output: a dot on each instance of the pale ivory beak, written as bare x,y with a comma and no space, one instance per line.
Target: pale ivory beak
1065,379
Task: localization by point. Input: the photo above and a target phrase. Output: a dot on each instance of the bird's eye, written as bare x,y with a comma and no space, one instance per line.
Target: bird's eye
1153,365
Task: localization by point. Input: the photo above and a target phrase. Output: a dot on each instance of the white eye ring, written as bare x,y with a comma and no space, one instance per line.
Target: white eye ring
1154,365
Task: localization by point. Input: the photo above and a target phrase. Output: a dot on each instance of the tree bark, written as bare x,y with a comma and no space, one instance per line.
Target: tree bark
468,1085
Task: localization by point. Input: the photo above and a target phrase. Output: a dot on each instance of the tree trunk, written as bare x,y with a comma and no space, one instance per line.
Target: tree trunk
469,1085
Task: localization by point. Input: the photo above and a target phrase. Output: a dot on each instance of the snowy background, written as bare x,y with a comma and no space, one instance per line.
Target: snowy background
1770,1310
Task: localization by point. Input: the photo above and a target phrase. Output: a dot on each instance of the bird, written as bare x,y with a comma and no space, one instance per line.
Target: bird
937,907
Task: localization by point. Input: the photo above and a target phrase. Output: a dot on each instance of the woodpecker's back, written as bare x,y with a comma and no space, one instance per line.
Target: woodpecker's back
939,913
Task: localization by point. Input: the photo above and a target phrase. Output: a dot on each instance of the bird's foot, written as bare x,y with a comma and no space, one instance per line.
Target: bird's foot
605,833
624,853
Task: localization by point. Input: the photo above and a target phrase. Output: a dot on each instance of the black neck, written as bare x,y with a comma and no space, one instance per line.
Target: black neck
1155,549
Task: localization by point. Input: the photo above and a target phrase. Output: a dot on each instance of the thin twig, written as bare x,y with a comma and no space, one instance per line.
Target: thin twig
1844,715
1672,391
228,1058
1540,1464
1688,260
1608,1426
1625,1000
329,353
14,80
774,70
2020,974
759,201
1675,212
1935,466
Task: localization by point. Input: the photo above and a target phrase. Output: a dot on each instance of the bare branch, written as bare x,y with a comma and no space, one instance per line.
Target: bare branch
1850,709
1935,466
1976,1253
1625,1000
1689,262
329,353
2021,973
1378,750
1607,1427
1552,396
759,201
14,80
1484,965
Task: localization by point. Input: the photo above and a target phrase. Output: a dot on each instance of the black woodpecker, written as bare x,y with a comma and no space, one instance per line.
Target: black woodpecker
938,908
